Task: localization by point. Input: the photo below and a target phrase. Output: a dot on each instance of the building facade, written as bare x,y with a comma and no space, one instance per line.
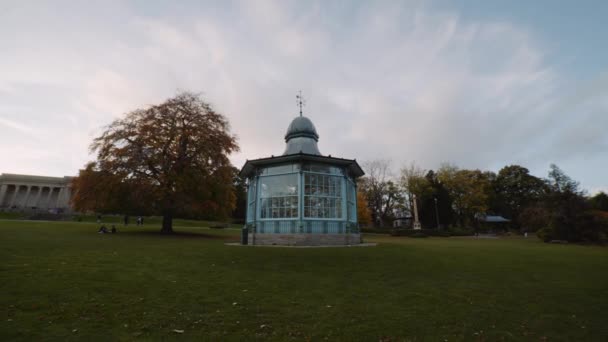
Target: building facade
35,193
302,197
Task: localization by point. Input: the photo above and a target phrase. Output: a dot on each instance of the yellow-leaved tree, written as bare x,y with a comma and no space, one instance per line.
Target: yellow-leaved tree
364,215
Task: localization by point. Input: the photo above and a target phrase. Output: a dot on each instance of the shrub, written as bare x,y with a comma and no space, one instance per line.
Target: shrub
239,221
418,234
443,233
461,232
589,227
376,230
425,232
545,234
592,226
219,225
534,218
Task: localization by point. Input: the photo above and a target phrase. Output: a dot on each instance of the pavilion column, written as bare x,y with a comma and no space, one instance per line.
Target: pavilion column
27,196
48,198
3,188
63,199
66,198
59,202
344,195
56,202
69,197
17,187
37,200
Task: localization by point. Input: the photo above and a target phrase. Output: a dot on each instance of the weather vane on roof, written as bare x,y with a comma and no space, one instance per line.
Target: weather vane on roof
300,101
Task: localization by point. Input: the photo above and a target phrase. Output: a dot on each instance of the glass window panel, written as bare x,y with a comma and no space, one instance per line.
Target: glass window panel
279,169
282,185
322,168
279,196
324,198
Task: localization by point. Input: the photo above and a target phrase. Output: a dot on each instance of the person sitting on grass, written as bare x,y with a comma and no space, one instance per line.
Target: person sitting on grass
103,230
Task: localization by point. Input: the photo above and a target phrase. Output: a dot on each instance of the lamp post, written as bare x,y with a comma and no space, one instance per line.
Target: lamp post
436,213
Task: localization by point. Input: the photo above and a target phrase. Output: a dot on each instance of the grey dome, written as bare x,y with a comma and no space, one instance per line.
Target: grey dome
301,127
301,137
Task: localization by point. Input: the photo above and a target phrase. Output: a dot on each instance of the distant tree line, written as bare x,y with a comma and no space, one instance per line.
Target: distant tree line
450,197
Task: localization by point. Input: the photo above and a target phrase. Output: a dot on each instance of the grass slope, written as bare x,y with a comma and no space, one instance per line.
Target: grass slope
62,281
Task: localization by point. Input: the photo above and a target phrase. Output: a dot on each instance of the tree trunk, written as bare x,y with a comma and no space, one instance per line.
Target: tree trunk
167,223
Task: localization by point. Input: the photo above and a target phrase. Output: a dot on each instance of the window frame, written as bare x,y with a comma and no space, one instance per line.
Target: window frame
340,197
260,199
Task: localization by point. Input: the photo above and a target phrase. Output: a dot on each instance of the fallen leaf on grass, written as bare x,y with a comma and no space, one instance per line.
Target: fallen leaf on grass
178,331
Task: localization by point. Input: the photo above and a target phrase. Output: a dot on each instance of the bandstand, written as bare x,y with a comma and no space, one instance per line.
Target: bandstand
302,197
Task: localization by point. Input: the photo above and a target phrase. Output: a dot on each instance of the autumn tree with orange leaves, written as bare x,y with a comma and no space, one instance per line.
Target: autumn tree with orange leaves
169,159
364,216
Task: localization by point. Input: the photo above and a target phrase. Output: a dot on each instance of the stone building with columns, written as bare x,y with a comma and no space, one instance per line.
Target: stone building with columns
35,193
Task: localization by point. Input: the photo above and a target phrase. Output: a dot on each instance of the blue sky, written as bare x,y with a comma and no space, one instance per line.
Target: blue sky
480,84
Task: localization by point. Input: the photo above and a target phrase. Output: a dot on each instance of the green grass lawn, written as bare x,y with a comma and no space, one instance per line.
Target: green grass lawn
119,219
152,220
63,281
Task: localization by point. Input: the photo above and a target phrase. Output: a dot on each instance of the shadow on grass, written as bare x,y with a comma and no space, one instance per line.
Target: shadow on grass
176,235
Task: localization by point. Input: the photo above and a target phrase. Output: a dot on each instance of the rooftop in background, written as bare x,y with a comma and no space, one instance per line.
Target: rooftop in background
12,177
494,219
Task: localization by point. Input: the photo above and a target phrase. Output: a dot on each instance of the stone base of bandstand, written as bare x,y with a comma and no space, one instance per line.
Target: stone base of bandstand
305,239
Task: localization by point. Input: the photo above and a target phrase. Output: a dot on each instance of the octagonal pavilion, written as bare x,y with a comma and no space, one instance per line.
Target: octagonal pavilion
302,197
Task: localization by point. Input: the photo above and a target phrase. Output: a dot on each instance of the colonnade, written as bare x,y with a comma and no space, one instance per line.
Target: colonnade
26,194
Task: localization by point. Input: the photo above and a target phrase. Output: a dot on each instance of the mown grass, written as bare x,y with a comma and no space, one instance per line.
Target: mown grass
152,220
11,215
63,281
119,219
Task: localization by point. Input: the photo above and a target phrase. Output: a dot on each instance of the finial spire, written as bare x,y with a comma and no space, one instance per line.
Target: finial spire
300,101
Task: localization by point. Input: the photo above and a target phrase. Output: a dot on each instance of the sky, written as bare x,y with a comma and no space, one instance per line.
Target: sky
478,84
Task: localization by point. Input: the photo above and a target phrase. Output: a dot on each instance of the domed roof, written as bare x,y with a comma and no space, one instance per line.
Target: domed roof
301,126
301,137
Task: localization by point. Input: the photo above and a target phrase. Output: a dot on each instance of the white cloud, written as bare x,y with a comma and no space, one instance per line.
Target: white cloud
405,82
9,124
